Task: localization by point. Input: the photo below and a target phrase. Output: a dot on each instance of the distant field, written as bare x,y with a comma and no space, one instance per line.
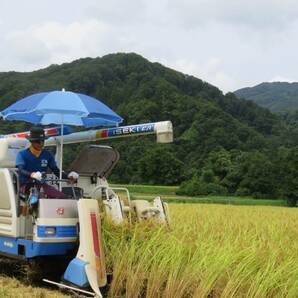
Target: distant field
168,194
149,189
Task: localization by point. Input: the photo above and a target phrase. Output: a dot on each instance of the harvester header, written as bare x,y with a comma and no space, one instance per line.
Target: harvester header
68,230
163,131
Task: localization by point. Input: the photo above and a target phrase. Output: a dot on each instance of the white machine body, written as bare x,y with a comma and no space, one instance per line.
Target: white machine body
58,226
9,147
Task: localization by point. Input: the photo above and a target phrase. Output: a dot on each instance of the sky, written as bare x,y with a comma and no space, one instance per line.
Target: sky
228,43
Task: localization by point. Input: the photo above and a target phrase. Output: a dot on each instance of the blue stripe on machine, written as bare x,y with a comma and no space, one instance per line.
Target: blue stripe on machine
60,231
32,249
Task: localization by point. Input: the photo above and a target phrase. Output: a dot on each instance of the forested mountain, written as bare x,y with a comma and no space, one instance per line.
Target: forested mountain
277,96
222,144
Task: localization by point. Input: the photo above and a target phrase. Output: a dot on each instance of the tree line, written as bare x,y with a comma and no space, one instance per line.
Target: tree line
222,144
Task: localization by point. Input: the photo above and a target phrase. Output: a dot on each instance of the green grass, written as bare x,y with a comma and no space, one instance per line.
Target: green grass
149,189
226,201
168,194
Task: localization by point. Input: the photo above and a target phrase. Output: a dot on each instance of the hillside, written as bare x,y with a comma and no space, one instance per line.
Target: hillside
139,91
206,122
277,96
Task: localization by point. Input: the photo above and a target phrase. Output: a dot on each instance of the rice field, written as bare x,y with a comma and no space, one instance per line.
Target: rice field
210,251
15,288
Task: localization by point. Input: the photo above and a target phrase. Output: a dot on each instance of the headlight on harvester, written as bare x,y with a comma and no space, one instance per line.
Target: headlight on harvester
50,231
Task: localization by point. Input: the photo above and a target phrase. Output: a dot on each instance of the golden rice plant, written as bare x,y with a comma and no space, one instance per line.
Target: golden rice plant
210,251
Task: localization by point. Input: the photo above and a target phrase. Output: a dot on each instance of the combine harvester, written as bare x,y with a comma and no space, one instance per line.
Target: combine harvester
70,229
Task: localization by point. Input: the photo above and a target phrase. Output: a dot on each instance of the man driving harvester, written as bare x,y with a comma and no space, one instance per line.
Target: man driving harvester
34,161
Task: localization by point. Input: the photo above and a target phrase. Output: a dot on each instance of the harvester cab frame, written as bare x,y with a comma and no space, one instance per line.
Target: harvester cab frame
71,228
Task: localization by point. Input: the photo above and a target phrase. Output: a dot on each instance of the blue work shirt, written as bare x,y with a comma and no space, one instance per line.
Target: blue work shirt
31,163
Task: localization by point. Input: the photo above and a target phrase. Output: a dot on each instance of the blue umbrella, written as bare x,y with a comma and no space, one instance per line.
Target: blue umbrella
57,107
62,107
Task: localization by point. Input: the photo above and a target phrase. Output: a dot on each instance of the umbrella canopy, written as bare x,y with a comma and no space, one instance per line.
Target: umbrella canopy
57,107
62,107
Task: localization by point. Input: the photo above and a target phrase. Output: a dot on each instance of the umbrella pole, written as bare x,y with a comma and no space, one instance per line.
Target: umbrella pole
61,154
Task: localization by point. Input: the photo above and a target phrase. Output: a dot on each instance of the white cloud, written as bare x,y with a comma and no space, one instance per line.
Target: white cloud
279,78
230,44
54,42
258,14
73,40
19,51
133,12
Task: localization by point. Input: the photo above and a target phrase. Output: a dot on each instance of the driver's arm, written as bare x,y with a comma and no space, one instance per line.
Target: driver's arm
22,171
20,164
